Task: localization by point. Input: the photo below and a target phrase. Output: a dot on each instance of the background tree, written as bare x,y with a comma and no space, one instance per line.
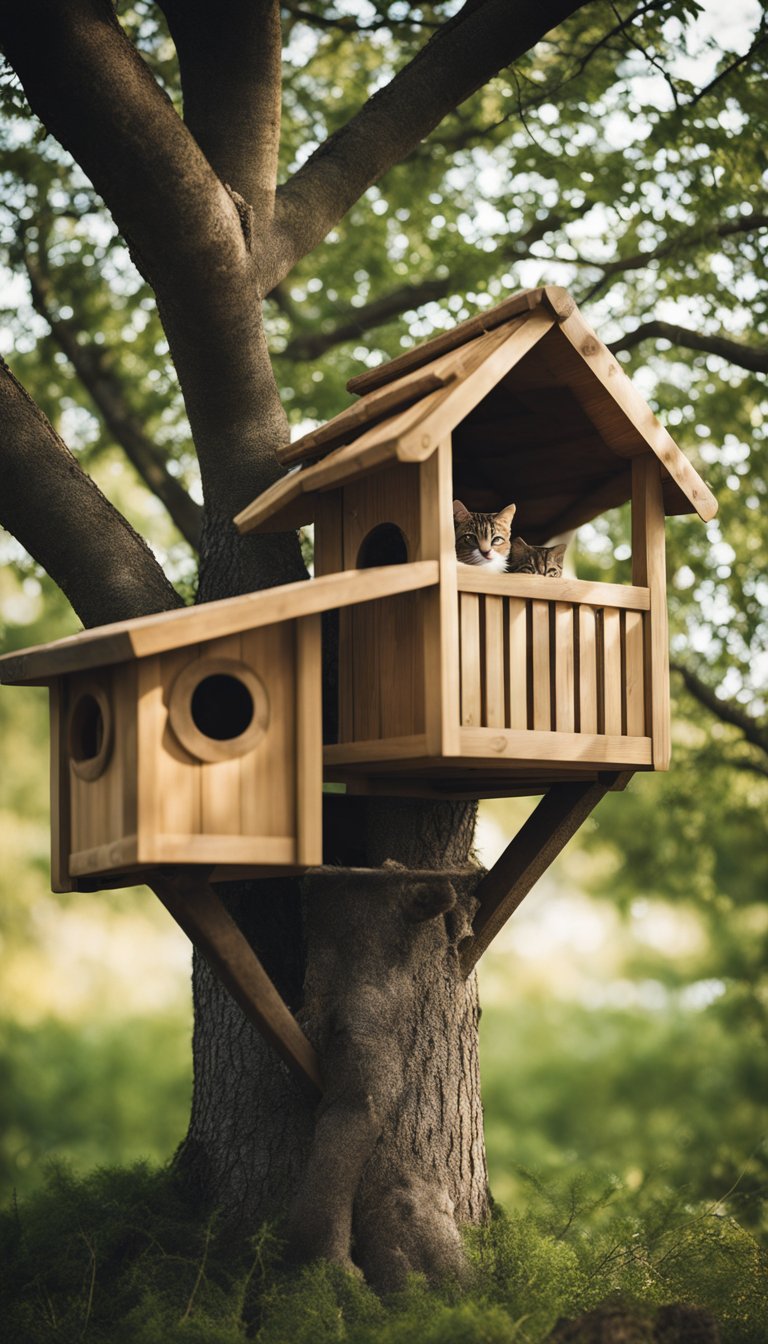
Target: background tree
607,156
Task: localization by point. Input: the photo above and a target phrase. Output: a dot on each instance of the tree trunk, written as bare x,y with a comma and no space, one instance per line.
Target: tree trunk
378,988
393,1160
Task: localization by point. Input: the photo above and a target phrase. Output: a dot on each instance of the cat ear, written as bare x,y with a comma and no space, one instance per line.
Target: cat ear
557,553
506,515
460,511
517,546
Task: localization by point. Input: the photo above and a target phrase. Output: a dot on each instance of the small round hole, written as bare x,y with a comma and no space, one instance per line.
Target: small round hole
86,732
90,733
222,707
384,545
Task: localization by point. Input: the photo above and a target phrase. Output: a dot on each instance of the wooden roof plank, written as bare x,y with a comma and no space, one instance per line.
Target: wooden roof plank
556,299
159,633
378,406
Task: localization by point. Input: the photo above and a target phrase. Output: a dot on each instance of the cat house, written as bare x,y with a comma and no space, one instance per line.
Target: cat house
192,737
492,683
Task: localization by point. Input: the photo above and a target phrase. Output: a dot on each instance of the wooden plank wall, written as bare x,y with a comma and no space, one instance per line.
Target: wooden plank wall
552,666
381,644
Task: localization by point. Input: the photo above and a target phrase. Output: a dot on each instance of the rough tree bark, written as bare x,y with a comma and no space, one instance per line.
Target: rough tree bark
198,204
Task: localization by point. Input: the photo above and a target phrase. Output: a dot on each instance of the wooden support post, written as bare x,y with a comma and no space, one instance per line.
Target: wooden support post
199,912
441,608
537,844
649,571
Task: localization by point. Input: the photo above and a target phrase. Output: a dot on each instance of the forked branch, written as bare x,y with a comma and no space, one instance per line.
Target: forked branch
483,38
89,86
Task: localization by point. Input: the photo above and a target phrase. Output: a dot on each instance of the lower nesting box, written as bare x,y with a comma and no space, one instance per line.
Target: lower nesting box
198,755
194,737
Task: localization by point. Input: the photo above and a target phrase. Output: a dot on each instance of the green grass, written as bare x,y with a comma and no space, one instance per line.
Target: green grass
122,1257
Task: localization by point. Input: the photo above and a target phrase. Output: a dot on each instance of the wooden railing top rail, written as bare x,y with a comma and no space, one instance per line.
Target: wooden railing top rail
537,586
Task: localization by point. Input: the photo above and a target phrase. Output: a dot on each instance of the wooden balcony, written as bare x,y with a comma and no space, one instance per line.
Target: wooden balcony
553,670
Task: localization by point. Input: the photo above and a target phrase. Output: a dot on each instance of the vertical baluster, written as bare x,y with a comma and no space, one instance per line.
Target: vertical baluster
587,670
612,670
494,662
542,708
635,675
518,663
471,693
565,712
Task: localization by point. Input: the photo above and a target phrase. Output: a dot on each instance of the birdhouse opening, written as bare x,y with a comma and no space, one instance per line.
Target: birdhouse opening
90,734
218,709
383,545
221,706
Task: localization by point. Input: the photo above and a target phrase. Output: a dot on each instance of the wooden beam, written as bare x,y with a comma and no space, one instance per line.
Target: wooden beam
634,597
200,913
537,844
649,568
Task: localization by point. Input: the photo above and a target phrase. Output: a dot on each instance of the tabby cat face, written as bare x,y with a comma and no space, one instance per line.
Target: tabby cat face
483,538
525,559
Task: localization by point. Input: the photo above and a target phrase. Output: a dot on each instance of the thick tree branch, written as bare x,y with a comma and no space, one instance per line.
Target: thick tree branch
463,54
231,78
751,729
464,136
93,367
59,514
754,358
688,238
191,239
90,87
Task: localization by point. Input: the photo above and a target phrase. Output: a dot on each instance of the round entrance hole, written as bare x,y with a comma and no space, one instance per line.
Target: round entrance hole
90,733
384,545
221,707
218,708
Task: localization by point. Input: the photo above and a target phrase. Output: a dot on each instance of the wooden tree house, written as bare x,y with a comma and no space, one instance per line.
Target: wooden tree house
187,747
493,683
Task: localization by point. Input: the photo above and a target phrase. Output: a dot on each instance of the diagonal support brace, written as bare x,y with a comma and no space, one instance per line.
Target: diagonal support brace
537,844
200,913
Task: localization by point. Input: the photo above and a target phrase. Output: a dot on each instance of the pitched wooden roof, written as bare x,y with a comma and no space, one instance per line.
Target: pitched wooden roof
540,413
124,640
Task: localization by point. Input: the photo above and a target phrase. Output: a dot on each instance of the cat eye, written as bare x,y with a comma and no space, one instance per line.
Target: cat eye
495,541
